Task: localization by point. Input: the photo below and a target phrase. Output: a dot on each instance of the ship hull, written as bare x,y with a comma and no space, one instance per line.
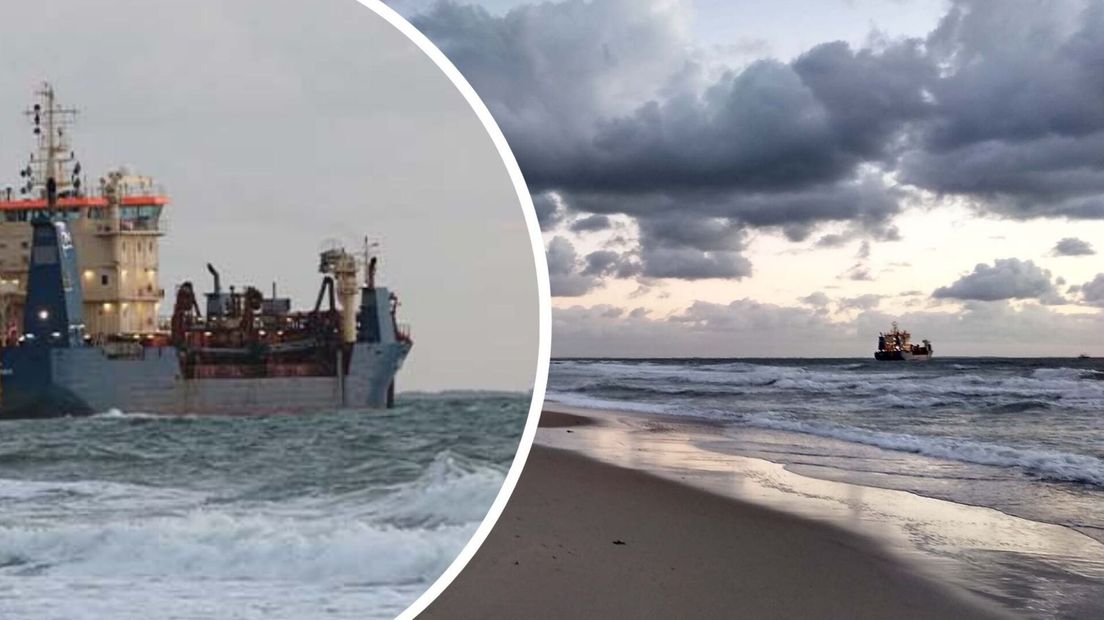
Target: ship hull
901,356
40,382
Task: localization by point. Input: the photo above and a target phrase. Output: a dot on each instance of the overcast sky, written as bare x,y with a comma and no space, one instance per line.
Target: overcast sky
750,178
275,125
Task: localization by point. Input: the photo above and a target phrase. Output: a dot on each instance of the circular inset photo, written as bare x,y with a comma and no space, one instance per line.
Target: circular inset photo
274,311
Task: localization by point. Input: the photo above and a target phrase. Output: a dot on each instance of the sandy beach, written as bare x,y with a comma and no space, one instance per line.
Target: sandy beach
581,538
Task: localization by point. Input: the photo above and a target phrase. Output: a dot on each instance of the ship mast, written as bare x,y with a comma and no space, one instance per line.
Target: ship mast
49,168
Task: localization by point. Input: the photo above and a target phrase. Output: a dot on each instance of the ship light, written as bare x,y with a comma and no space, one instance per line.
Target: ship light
88,274
43,315
207,334
107,306
262,332
55,334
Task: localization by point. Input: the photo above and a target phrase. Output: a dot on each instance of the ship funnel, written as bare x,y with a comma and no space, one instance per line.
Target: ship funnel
215,274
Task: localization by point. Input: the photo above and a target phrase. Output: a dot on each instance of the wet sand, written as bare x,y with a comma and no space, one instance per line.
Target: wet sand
583,539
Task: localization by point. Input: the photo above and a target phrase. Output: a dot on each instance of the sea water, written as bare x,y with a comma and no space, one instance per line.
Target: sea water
337,514
1021,436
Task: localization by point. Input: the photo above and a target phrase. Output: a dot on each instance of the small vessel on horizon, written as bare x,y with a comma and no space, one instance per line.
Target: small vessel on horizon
895,345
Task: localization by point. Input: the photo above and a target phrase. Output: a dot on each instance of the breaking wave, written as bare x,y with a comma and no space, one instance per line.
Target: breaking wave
1061,386
1045,464
1043,421
408,534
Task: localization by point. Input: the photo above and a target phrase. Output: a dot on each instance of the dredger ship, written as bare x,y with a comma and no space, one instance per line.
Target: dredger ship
896,345
80,303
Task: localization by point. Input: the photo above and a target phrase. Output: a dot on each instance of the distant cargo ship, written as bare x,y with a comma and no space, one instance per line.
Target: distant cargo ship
895,345
79,303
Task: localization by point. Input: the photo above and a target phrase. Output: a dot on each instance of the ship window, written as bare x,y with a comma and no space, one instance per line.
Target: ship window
103,280
23,245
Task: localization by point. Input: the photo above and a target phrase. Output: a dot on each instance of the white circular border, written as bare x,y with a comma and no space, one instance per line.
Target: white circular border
543,292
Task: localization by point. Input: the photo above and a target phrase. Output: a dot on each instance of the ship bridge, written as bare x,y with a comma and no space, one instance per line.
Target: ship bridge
115,227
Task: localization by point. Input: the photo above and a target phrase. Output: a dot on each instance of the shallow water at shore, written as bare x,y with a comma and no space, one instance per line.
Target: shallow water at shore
1040,569
831,422
1021,436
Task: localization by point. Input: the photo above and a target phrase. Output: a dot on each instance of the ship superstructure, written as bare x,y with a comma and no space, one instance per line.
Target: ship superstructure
117,226
896,345
82,300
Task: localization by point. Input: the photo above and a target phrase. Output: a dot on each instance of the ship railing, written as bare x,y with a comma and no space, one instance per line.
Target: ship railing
130,188
142,224
145,224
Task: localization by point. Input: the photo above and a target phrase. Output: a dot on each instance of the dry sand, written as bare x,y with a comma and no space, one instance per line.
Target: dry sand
581,539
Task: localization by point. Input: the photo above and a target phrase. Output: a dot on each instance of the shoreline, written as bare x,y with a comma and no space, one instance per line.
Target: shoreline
585,538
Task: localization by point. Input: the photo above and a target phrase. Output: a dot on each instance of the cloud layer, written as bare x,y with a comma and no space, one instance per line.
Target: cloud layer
609,106
1007,278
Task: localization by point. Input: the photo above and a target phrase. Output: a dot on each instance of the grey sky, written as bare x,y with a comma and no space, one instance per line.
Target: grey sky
696,163
275,125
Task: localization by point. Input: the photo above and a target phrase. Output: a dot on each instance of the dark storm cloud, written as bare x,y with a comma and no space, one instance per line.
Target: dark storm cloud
759,129
610,263
603,103
868,94
691,264
549,213
591,223
866,200
609,105
674,246
1007,278
1018,119
563,270
1072,246
550,71
1092,292
993,75
1017,71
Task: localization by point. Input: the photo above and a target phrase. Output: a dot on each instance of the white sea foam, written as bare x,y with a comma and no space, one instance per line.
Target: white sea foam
409,534
587,402
219,545
116,414
452,491
1047,464
1065,387
836,400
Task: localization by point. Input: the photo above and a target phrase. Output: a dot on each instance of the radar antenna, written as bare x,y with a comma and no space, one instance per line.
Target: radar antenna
48,172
